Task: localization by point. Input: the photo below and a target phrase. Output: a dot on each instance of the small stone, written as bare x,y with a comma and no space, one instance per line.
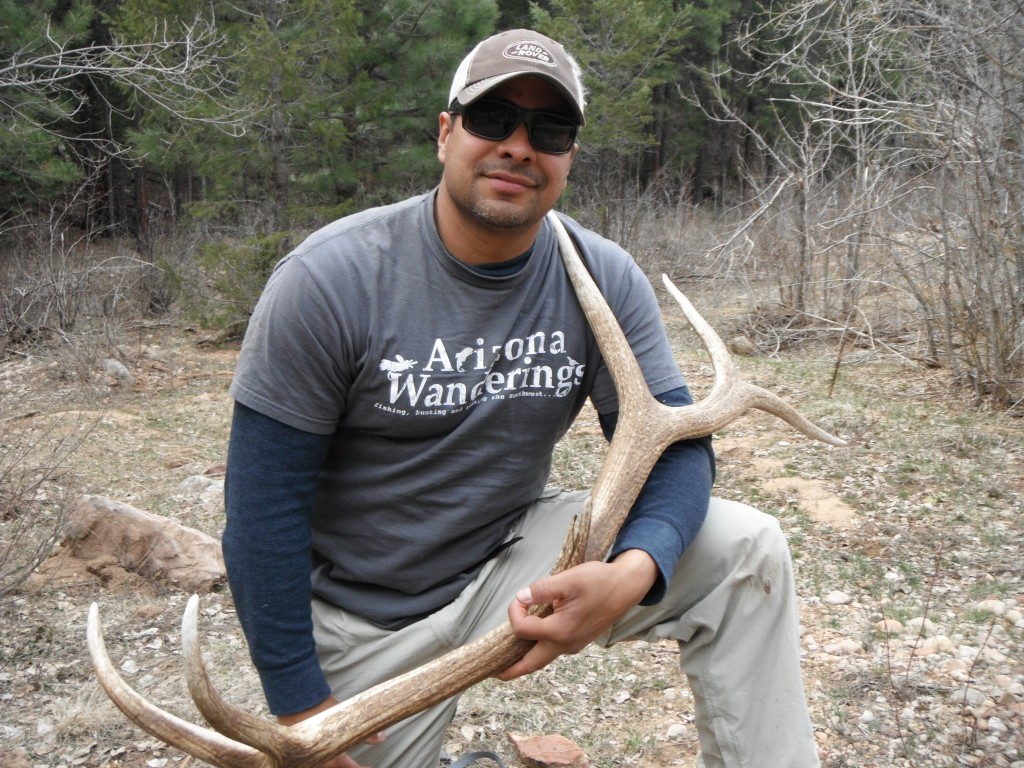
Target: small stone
552,751
995,725
116,370
993,656
889,627
994,607
968,652
838,598
866,717
967,695
844,647
743,346
940,644
675,731
923,625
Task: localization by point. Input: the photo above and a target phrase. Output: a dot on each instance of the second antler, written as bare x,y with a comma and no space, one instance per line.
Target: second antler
645,428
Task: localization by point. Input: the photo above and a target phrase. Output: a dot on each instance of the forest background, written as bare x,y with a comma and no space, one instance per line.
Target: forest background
821,153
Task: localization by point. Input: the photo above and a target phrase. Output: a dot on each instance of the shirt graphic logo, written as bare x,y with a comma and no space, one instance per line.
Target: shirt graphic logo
394,367
457,377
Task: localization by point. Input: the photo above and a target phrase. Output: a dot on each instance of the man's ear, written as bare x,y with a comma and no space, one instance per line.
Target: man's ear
444,131
572,156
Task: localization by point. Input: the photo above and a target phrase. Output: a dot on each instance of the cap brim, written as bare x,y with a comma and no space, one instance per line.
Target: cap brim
474,91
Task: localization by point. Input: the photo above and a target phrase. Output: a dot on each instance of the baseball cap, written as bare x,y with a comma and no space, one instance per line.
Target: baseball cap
513,54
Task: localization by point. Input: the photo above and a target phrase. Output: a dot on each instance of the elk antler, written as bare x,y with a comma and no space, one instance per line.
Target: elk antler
242,740
645,428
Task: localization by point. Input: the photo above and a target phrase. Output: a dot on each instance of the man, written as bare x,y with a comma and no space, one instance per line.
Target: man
399,393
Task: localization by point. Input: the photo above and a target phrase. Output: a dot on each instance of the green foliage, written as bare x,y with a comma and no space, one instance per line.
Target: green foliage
346,93
35,163
235,274
34,28
413,49
32,169
513,14
626,50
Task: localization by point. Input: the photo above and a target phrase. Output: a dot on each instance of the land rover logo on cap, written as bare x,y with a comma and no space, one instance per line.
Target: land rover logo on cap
531,51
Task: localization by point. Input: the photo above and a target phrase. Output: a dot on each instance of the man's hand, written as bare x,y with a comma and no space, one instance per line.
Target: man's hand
342,761
587,599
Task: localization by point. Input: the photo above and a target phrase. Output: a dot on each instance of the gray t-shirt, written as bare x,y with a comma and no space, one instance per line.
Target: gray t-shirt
445,392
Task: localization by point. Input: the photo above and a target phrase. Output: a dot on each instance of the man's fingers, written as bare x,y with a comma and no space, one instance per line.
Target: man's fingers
547,590
344,761
525,625
536,658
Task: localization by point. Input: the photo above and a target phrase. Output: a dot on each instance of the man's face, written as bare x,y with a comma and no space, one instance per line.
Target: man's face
506,184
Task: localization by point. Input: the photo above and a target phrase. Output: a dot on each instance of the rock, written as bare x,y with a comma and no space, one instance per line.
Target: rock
968,696
742,346
116,370
889,627
155,547
675,731
551,751
940,644
844,647
993,656
922,625
995,725
838,598
994,607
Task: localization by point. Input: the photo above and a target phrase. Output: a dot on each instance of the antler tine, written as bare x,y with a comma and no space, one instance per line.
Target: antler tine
266,736
760,398
195,740
646,427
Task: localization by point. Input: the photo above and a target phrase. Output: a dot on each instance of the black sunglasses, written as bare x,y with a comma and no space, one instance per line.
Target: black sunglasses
496,120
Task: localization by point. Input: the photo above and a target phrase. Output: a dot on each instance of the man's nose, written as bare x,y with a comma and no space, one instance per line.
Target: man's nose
518,143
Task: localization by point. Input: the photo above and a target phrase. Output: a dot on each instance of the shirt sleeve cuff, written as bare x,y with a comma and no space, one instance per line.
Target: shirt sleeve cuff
659,540
294,688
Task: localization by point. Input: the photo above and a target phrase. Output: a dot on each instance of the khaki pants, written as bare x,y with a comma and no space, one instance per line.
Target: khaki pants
731,606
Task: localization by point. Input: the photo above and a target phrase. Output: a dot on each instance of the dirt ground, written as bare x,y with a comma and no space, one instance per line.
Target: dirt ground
907,545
